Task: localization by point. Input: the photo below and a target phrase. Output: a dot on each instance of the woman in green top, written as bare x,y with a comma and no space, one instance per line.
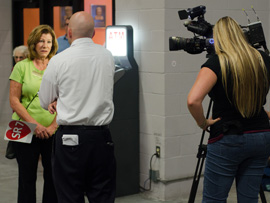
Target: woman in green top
25,81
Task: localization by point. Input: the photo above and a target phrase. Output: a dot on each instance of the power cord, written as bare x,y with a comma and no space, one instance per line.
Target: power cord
143,188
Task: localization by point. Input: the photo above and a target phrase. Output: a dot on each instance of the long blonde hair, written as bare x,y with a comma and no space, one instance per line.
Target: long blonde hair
244,63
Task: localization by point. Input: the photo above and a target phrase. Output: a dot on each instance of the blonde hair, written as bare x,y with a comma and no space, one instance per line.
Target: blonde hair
245,65
34,38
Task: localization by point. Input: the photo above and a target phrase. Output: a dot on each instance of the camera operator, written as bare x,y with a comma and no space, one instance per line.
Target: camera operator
237,81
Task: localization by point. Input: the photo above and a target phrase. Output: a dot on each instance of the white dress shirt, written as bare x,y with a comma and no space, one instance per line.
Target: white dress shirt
81,80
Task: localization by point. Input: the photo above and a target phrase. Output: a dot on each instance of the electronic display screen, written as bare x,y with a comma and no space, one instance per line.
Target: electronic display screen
116,40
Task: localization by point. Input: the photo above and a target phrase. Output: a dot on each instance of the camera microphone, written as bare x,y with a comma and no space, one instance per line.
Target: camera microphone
258,19
246,15
187,22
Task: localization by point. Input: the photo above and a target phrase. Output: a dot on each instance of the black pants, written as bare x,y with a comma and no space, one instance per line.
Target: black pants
88,168
27,156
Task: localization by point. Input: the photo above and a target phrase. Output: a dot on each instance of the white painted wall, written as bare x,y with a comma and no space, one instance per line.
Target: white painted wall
5,58
165,80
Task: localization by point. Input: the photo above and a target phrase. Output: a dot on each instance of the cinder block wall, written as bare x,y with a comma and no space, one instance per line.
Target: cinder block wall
5,59
165,80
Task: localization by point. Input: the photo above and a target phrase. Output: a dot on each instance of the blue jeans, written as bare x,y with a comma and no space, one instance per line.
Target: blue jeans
239,157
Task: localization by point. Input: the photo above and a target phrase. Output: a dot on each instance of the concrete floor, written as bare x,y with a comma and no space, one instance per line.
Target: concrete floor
9,186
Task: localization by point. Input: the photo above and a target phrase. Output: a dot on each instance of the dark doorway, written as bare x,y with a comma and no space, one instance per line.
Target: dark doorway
45,10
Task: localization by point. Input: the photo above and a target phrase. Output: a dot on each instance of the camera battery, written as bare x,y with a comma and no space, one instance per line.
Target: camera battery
256,35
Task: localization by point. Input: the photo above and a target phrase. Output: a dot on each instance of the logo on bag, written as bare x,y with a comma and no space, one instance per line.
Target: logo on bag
17,131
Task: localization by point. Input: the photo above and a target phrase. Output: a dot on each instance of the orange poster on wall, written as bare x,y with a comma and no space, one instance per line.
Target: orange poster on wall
90,6
31,19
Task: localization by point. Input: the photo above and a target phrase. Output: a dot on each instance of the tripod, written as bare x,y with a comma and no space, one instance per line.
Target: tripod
201,157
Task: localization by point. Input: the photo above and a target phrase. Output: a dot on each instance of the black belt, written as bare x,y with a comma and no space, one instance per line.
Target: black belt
83,127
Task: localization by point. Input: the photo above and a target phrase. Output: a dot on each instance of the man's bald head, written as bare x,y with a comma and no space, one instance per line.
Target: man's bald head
81,25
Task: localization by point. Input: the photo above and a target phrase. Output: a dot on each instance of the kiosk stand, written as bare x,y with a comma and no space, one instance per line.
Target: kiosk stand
125,124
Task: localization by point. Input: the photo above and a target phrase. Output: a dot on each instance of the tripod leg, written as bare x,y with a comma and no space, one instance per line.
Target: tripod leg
198,172
195,184
262,195
201,157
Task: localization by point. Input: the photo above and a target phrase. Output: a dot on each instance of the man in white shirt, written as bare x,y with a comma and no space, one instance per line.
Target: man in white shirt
78,84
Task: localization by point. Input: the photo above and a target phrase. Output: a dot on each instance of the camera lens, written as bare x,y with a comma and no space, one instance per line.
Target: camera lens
177,43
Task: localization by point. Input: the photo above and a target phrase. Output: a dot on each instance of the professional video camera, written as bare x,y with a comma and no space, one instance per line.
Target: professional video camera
203,41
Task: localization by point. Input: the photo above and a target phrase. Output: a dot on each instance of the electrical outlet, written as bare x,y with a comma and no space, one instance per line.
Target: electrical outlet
158,151
154,175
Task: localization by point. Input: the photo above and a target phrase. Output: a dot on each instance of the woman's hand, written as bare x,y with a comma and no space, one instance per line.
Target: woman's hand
207,123
52,107
46,132
268,114
53,127
41,132
51,130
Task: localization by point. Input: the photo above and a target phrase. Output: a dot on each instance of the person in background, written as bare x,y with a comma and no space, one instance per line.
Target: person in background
237,81
20,53
79,84
25,82
62,40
